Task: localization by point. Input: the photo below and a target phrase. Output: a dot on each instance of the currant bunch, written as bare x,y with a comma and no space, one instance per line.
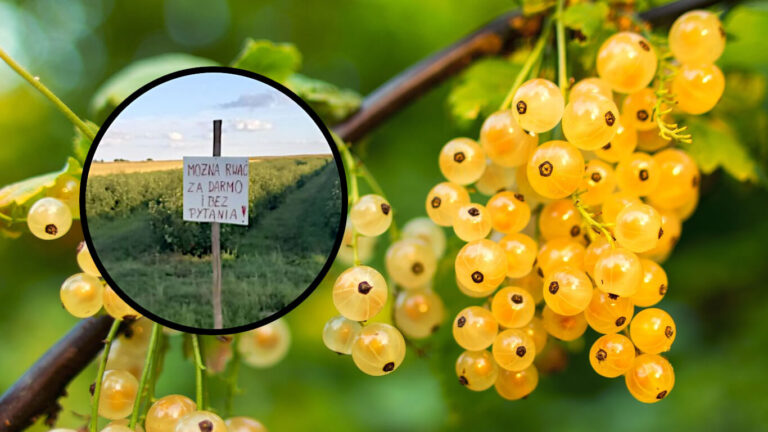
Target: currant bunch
575,227
361,292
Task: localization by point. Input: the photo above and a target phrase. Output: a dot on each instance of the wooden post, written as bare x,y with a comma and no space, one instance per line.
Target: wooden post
216,242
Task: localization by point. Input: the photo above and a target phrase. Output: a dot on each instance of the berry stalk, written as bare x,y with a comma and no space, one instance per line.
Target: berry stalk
532,59
587,216
354,194
234,370
100,375
146,373
562,76
199,367
35,82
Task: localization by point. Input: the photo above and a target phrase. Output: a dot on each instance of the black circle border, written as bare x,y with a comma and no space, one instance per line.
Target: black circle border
296,99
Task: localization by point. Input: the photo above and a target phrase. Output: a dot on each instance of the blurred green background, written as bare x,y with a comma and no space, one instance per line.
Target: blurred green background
717,274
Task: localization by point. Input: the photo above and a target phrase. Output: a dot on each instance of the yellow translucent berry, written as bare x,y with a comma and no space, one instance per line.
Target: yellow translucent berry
538,105
560,252
638,174
591,86
537,332
472,222
359,293
365,247
115,427
594,250
423,228
567,290
615,203
462,161
481,266
118,391
524,187
201,421
652,331
475,328
508,211
505,142
612,355
475,292
590,121
563,327
651,141
638,227
678,179
687,208
513,349
67,189
371,215
244,424
477,370
608,313
697,37
638,109
82,295
697,89
85,261
671,228
650,379
599,183
532,283
443,202
555,169
265,346
627,62
166,412
496,178
411,263
379,349
521,252
116,307
515,385
654,285
622,145
560,218
618,271
513,307
339,333
49,218
418,313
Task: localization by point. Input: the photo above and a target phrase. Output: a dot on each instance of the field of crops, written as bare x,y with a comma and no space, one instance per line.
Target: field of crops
163,262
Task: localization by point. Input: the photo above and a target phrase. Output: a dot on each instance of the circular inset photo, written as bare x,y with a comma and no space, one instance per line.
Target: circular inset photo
212,200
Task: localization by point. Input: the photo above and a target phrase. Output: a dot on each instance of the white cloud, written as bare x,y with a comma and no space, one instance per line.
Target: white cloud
252,124
175,136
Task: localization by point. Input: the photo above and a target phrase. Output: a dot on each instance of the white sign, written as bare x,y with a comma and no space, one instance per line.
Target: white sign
216,189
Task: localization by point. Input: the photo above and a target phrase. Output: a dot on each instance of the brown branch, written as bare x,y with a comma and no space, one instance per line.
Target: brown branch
36,393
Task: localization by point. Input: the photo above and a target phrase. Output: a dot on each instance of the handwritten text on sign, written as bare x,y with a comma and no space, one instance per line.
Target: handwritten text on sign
216,189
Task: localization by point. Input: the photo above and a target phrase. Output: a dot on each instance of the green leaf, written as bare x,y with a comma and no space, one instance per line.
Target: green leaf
716,145
81,143
481,89
745,26
586,18
330,102
275,61
16,198
120,85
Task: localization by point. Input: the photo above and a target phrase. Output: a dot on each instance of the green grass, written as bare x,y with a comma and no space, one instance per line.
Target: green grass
267,265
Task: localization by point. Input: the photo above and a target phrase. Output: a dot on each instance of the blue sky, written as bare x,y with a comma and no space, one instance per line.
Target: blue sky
175,119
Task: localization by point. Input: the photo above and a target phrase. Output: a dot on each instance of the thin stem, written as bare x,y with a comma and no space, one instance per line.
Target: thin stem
234,371
100,375
529,62
562,75
199,368
354,195
146,373
35,82
588,217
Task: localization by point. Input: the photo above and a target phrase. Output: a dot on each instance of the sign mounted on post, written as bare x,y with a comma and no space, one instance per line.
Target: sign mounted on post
216,189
